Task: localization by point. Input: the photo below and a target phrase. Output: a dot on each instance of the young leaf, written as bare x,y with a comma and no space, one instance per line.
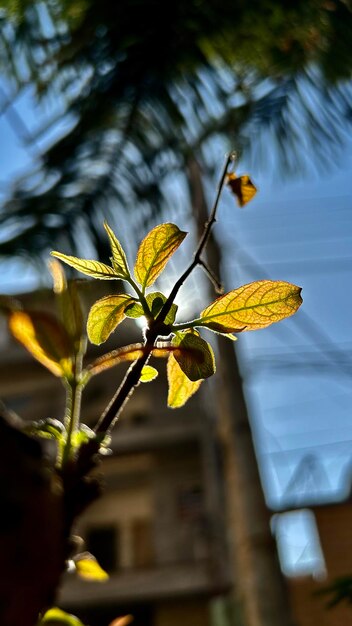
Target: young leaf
119,259
181,388
156,301
57,617
45,338
194,356
88,267
242,187
252,306
47,428
88,568
105,315
134,310
148,374
155,251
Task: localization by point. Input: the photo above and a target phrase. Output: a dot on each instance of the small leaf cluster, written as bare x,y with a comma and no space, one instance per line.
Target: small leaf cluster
190,357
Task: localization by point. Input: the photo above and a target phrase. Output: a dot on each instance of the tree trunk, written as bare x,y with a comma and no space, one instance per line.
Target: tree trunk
259,584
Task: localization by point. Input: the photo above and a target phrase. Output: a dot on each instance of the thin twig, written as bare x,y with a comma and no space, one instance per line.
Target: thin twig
202,243
217,284
131,380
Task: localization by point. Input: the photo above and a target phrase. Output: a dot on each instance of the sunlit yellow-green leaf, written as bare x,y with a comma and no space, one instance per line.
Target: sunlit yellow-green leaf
95,269
88,568
134,310
155,251
194,355
45,338
57,617
156,301
242,187
148,374
181,388
105,315
253,306
119,259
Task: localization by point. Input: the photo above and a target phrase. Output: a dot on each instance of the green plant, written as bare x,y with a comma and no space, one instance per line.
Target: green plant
60,345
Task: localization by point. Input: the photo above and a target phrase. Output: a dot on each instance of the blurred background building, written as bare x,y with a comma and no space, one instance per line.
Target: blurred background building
161,528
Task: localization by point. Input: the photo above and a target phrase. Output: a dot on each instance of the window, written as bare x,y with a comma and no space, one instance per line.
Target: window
102,542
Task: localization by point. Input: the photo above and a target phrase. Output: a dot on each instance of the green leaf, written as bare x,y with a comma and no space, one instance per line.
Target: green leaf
47,428
148,374
88,267
105,315
57,617
156,301
88,568
181,388
194,356
134,310
82,435
155,251
252,306
45,338
119,259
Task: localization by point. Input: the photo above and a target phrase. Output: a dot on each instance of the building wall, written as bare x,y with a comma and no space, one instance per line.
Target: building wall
334,523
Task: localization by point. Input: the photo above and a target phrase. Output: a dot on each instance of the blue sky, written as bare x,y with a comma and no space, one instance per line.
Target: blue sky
297,373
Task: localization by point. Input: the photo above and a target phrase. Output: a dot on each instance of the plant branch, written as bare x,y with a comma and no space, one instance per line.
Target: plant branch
131,380
156,327
217,284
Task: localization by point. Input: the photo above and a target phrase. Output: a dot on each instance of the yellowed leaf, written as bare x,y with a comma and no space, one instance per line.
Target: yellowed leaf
92,268
242,187
105,315
45,338
155,251
181,388
119,259
88,568
122,621
252,306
